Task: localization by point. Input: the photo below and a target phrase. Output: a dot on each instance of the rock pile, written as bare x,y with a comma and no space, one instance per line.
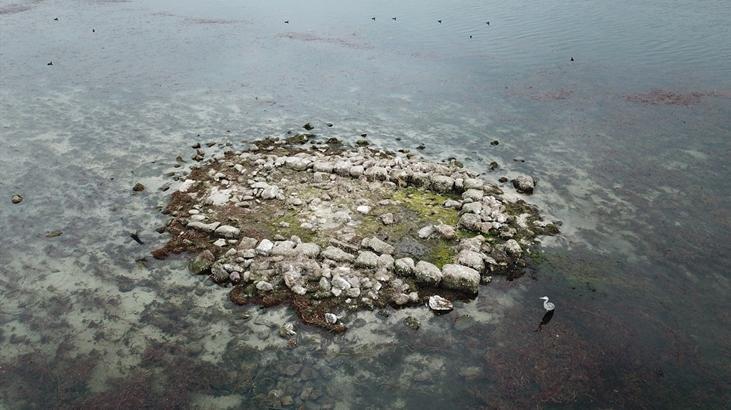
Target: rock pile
327,228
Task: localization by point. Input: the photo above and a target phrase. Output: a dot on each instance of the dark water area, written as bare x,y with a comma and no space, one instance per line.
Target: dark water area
630,143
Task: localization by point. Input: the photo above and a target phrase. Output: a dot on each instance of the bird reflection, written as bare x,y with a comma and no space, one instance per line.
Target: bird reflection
546,318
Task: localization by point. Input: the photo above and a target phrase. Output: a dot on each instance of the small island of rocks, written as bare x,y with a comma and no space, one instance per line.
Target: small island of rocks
330,228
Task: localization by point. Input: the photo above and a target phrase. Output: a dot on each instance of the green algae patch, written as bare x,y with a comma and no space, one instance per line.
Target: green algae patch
441,253
426,204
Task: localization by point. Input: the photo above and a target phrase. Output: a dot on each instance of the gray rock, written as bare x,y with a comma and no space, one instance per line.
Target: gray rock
308,249
426,232
404,266
342,168
471,222
472,207
387,218
377,245
16,199
458,277
247,243
442,183
473,183
473,195
331,318
209,228
440,304
264,286
228,231
297,163
323,166
264,247
427,273
356,171
524,184
340,283
446,231
363,209
377,173
283,248
220,243
366,259
337,254
400,299
385,261
471,259
324,284
513,248
270,192
451,203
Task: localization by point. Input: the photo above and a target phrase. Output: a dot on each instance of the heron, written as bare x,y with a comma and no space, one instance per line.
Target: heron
546,304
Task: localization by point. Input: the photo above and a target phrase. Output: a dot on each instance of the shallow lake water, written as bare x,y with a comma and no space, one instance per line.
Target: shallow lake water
630,143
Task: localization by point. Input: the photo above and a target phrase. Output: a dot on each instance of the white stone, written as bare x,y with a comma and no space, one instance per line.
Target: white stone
363,209
440,304
220,243
186,185
264,247
264,286
331,318
426,232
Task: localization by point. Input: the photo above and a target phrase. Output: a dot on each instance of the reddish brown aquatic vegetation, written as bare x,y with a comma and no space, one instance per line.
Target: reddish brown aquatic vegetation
13,8
669,97
343,42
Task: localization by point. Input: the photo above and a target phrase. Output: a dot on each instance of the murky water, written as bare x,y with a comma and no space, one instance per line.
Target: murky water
630,143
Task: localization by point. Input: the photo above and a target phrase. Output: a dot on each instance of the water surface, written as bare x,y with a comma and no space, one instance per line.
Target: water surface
630,143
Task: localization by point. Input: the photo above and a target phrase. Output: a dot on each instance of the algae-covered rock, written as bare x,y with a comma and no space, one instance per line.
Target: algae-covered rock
524,184
202,263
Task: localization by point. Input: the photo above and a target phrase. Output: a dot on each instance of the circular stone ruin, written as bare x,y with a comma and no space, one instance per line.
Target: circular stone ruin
329,228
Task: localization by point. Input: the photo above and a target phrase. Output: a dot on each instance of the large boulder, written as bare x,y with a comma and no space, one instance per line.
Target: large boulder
471,259
428,273
459,277
524,184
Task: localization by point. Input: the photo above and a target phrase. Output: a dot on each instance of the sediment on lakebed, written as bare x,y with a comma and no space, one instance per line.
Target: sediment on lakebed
330,228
